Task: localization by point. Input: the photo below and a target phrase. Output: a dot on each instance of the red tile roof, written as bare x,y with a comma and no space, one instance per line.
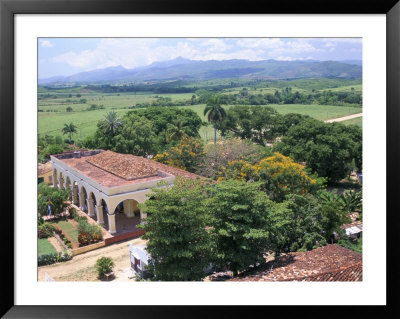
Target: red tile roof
112,169
44,168
328,263
125,166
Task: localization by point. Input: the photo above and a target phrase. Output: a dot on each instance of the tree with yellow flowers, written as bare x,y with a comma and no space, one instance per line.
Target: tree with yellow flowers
280,176
185,155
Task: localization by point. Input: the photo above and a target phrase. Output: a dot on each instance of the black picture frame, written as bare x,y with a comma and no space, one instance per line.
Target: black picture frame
8,8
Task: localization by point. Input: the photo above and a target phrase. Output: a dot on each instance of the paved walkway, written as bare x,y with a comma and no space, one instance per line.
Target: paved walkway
344,118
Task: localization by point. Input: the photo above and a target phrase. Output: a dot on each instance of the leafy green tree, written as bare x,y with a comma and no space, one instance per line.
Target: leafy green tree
162,117
111,123
53,149
250,122
136,136
69,129
178,240
57,197
176,131
239,224
351,201
295,224
327,148
215,112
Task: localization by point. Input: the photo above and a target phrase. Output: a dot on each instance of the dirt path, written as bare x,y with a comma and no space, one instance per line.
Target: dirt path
81,267
56,244
344,118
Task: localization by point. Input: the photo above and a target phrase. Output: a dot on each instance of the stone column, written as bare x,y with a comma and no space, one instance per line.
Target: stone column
130,212
111,223
55,181
99,212
89,203
75,195
81,200
61,183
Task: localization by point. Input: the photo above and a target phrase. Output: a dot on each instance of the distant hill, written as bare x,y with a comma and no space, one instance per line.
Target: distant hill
181,68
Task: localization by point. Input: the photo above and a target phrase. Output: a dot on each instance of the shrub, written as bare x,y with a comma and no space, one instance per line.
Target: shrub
83,238
46,230
104,265
78,218
88,233
52,258
72,213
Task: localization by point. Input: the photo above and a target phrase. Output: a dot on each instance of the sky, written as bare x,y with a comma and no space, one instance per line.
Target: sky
67,56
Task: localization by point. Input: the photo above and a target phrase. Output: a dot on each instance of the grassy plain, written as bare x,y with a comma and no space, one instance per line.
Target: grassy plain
52,104
357,121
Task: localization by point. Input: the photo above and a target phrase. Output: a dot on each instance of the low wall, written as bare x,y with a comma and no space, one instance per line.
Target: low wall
87,248
118,238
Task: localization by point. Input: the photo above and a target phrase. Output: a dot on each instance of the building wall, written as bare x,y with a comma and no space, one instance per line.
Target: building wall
47,178
112,196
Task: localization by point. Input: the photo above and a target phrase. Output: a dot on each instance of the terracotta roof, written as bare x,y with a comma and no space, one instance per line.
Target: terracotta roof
44,168
328,263
112,169
126,166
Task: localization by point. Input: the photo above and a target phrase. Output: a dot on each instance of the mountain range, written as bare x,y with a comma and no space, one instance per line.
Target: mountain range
185,69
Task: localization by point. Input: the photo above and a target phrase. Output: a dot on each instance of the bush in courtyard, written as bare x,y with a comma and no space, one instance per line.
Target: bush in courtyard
88,233
46,230
78,218
83,238
72,213
104,265
52,258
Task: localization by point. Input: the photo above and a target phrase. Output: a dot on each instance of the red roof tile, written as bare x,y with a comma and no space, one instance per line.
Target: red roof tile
328,263
112,169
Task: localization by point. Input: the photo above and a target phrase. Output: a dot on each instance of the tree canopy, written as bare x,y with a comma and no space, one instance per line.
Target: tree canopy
326,148
178,240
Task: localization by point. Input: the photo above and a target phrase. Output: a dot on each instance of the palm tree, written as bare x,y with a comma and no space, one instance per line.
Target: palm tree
111,122
216,113
176,131
69,129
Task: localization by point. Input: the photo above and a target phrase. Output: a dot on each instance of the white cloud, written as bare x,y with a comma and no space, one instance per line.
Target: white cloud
135,52
46,44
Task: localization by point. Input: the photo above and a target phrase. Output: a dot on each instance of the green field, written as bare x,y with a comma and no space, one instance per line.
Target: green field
44,247
52,104
108,100
51,123
356,121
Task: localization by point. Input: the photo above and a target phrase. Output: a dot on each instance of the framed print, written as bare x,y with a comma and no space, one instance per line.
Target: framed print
56,54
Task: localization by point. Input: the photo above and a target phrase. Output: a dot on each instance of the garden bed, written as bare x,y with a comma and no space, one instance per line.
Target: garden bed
45,247
68,230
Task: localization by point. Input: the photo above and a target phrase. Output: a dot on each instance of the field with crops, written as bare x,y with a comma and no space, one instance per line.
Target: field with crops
84,108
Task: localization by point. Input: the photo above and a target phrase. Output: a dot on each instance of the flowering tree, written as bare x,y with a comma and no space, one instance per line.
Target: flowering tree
280,176
185,155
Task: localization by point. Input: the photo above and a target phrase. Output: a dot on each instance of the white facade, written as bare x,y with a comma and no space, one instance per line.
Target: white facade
89,194
139,254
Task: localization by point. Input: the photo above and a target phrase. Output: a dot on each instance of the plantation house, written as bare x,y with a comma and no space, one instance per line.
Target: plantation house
109,186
